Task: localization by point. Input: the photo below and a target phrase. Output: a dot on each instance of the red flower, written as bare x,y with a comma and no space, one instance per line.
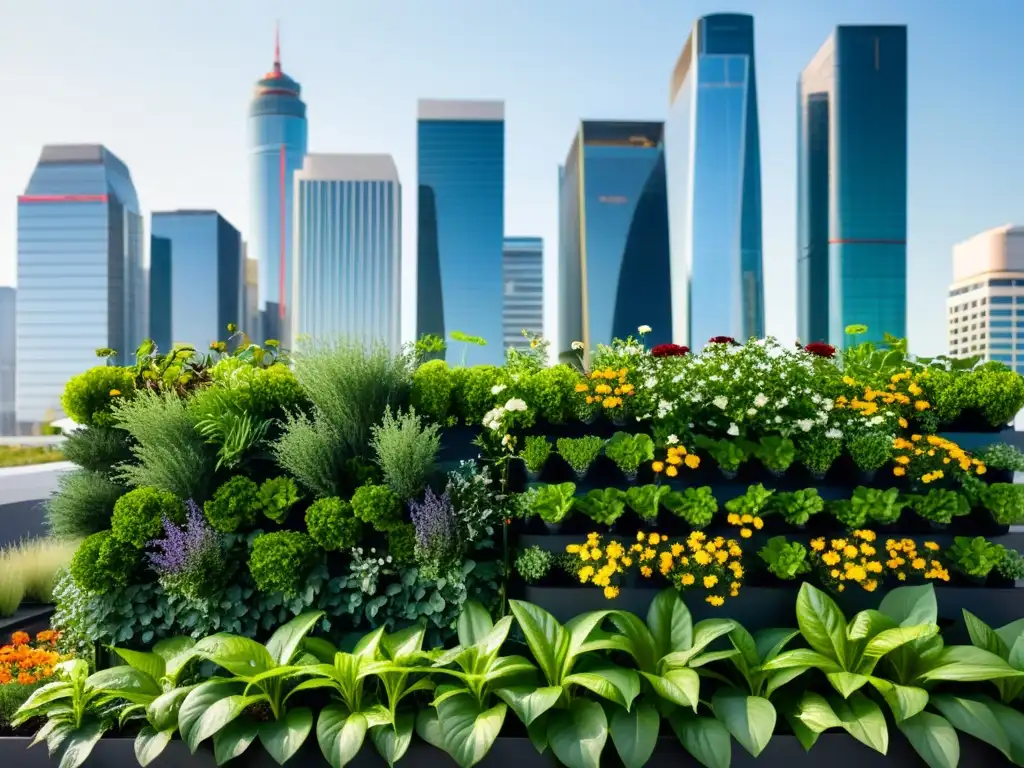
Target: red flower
821,349
721,340
669,350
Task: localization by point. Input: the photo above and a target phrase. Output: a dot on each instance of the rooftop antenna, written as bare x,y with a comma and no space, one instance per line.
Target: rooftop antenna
277,46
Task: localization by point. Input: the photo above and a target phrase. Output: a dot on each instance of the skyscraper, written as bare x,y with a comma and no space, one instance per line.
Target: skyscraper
614,236
277,121
206,261
852,186
712,142
161,307
348,250
8,338
250,294
986,299
461,161
81,273
523,304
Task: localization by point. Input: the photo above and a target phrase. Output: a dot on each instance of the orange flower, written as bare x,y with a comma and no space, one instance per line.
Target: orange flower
20,638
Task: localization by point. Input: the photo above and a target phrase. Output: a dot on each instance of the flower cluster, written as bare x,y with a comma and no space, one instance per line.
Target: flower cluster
669,350
929,458
607,387
27,662
189,558
857,559
675,455
714,564
820,349
601,564
746,523
904,559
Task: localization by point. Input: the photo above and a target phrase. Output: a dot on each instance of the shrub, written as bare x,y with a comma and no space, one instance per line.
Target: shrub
38,561
280,562
377,506
999,393
406,450
332,525
818,452
402,544
533,564
103,563
471,394
83,505
89,397
234,506
432,385
552,392
277,496
870,450
139,515
99,449
12,696
1011,566
579,452
535,453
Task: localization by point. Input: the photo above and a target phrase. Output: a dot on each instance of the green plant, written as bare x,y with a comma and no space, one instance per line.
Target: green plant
819,450
84,504
224,421
579,452
1011,565
89,397
629,451
37,562
280,562
553,502
12,589
939,505
646,500
12,696
998,456
852,517
97,449
533,564
883,507
468,340
1005,501
870,449
796,507
139,514
277,496
785,559
103,562
332,524
697,506
1000,642
235,505
552,392
728,454
974,557
603,506
472,395
999,393
777,453
378,506
752,503
535,453
406,450
432,385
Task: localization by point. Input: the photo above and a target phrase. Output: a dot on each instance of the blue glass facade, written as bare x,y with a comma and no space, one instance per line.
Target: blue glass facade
160,291
852,206
81,273
614,236
712,145
278,136
523,303
8,339
461,217
348,250
206,275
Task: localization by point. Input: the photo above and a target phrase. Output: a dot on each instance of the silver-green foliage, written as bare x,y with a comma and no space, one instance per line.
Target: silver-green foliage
406,450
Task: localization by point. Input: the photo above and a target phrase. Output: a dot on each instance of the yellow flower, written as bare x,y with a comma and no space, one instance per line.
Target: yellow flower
627,562
693,461
715,600
710,581
671,471
115,392
737,570
696,536
646,571
931,545
581,387
732,518
915,438
585,573
856,573
702,557
817,544
873,566
918,563
611,592
838,544
981,469
721,556
746,533
849,381
654,539
903,422
849,551
922,405
902,459
640,536
830,558
649,554
870,585
603,389
677,549
899,471
687,579
572,549
658,466
758,523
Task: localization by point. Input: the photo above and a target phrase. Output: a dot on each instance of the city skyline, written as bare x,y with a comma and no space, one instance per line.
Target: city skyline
971,178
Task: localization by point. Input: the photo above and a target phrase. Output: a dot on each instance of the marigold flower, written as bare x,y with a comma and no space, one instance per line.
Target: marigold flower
658,466
903,422
746,533
899,471
581,387
922,405
715,600
611,592
931,545
671,471
702,557
646,571
817,544
687,579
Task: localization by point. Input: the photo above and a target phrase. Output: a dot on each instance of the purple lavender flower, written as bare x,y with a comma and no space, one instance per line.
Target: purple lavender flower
437,543
188,558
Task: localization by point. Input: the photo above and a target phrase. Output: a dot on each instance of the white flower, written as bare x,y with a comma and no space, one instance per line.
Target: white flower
876,420
506,439
778,419
783,402
497,389
751,411
760,401
725,367
805,424
721,402
578,346
815,398
633,349
515,404
733,430
671,439
643,329
828,405
492,419
834,434
651,382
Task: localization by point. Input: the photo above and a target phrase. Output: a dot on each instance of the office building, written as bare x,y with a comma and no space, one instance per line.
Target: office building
985,305
8,338
81,273
251,296
461,162
852,186
277,123
348,250
712,145
206,261
523,303
160,293
614,236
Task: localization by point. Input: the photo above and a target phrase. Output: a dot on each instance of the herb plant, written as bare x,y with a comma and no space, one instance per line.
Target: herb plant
752,502
139,514
939,505
870,449
280,562
333,525
819,449
535,453
1005,501
377,506
438,545
235,504
852,516
1002,456
882,507
1011,566
277,496
796,507
189,559
579,452
406,450
533,564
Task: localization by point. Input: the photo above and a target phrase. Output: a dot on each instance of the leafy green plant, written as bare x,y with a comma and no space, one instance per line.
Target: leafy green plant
378,506
629,451
579,452
83,504
796,507
533,564
472,395
940,505
277,496
697,506
103,562
89,397
552,392
139,514
785,559
553,502
12,589
235,505
1005,501
97,449
1011,566
998,393
852,517
997,456
280,562
883,507
974,557
535,453
406,449
870,449
646,500
818,451
332,524
753,502
468,340
728,454
775,452
603,506
1000,642
222,419
432,385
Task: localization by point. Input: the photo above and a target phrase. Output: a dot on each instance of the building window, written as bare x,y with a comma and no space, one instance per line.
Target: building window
1004,324
1000,283
1002,299
1003,358
1002,312
984,301
1002,335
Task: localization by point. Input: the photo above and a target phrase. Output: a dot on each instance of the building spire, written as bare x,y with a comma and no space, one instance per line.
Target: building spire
277,47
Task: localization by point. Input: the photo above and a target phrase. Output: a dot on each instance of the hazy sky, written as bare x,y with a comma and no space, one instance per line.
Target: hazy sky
166,86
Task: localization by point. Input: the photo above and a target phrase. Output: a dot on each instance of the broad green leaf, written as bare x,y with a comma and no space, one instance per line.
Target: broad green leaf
127,682
528,702
867,624
368,645
577,735
286,640
704,659
804,735
822,624
428,728
468,733
240,656
79,743
47,694
404,643
748,659
1012,722
392,741
891,639
680,686
509,666
580,629
815,713
538,733
547,639
213,718
322,649
905,701
198,702
670,623
911,606
234,738
58,736
750,719
704,633
639,642
1009,633
341,734
846,682
610,682
770,642
802,658
776,680
474,623
151,664
983,636
490,644
705,738
635,734
974,718
863,719
965,663
150,743
282,738
172,647
933,738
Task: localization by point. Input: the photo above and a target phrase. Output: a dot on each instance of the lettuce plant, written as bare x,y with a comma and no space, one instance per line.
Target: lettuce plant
775,452
629,451
1005,501
728,454
697,506
603,506
940,506
883,507
785,559
796,507
646,500
974,557
553,502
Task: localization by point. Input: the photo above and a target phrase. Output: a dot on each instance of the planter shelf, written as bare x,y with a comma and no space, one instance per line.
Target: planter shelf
31,618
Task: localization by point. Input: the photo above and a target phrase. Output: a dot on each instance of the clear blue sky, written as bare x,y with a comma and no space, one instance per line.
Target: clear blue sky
166,85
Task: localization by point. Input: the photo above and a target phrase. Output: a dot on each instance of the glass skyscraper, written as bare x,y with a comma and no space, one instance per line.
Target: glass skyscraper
852,186
348,250
614,236
160,292
461,162
714,184
8,338
206,275
81,273
277,122
523,303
